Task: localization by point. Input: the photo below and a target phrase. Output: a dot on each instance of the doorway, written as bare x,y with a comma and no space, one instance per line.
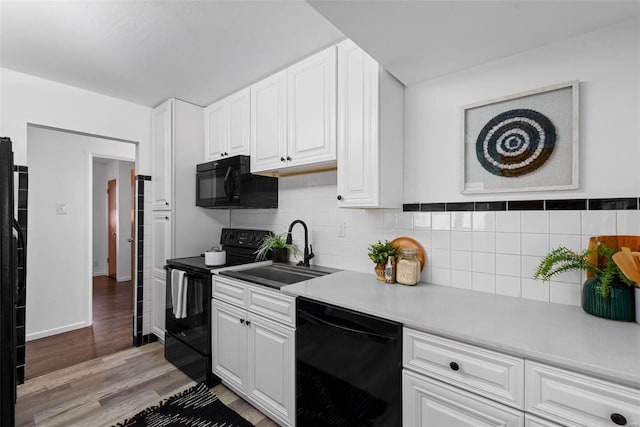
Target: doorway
63,237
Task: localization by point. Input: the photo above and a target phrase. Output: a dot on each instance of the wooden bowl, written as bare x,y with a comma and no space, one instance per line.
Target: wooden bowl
407,242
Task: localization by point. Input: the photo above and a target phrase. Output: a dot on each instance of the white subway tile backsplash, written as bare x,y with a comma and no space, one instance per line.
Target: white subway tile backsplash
535,290
484,221
529,265
508,285
565,293
564,222
441,276
484,262
461,260
483,282
535,244
570,241
440,239
628,222
483,241
596,223
422,220
461,279
508,222
441,258
461,221
508,243
508,265
440,221
404,220
461,240
534,222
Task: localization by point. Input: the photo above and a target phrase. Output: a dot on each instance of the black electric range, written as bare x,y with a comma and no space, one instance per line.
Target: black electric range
188,325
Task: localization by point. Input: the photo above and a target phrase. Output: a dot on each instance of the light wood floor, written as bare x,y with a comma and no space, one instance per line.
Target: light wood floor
112,331
107,390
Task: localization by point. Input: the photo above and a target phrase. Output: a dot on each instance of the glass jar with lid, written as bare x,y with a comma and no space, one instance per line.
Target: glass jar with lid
408,267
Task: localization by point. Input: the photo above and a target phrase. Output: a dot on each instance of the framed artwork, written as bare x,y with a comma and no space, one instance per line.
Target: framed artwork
523,142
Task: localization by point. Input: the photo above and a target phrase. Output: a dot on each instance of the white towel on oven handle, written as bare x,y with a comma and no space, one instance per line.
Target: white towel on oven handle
178,294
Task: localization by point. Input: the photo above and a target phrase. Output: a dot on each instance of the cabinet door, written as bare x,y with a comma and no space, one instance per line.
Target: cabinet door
162,240
158,305
239,123
268,123
229,343
311,104
358,139
216,130
162,156
429,403
533,421
271,367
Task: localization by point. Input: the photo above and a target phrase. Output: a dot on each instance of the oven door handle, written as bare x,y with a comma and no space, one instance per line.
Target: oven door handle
344,329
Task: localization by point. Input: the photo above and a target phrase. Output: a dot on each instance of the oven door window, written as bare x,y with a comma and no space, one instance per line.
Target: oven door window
192,329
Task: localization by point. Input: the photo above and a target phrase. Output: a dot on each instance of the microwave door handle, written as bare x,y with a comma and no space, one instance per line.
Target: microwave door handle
227,187
20,284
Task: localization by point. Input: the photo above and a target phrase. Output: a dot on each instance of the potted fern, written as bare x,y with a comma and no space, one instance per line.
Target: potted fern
275,247
379,253
608,293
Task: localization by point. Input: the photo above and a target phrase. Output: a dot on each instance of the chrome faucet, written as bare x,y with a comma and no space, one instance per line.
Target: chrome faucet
308,249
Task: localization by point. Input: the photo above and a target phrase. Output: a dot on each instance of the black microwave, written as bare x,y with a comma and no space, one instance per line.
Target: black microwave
229,183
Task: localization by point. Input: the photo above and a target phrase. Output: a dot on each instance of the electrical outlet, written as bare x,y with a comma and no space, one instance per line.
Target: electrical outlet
342,229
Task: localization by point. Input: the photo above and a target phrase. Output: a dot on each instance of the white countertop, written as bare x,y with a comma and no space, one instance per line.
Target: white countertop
560,335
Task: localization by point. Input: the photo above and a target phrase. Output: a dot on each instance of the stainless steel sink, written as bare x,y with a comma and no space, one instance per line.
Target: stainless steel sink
278,275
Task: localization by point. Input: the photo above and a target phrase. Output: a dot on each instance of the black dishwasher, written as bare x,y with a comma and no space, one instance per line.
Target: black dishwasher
348,368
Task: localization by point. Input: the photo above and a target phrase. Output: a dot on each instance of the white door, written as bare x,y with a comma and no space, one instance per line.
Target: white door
311,103
239,123
216,128
429,403
358,149
158,305
268,123
271,366
162,231
229,343
162,156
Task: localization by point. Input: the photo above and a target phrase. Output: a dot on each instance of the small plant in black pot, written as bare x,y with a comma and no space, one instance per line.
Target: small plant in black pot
276,246
608,293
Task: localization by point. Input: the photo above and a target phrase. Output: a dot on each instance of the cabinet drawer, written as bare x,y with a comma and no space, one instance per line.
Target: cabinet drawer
428,402
485,372
533,421
577,400
229,291
272,305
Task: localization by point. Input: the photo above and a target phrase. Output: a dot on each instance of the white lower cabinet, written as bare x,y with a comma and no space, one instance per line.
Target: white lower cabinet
158,306
533,421
254,356
431,403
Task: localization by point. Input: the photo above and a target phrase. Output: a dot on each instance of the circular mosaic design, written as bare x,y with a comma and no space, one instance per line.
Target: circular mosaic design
515,142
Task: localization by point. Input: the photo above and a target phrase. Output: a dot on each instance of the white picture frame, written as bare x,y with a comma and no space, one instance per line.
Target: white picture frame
528,141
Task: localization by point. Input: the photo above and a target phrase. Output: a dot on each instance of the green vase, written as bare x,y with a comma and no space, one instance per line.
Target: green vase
619,304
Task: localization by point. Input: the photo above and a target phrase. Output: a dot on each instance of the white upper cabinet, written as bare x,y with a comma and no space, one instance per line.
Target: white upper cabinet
268,123
293,117
162,156
227,126
370,132
311,102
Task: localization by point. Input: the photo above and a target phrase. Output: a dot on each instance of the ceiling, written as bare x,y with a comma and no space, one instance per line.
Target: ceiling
423,40
200,51
148,51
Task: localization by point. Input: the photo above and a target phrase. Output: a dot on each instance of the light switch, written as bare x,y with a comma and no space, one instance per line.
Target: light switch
61,208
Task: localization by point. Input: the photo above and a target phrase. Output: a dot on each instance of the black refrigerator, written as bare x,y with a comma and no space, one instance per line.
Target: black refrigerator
12,283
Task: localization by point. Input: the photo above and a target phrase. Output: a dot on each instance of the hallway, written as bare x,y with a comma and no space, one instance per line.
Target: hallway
112,331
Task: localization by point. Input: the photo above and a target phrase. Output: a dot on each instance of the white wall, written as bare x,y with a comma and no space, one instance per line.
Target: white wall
27,99
494,252
60,248
99,231
606,62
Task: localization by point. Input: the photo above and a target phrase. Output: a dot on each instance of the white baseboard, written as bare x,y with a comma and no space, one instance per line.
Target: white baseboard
122,278
99,273
56,331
